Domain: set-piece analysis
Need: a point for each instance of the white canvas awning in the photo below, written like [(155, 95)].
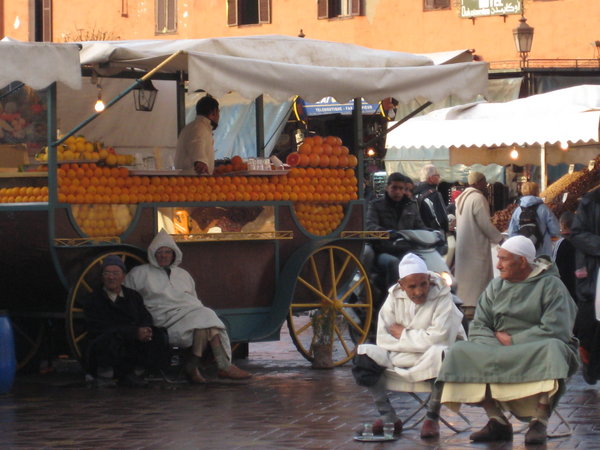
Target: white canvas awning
[(39, 64), (281, 66), (568, 115)]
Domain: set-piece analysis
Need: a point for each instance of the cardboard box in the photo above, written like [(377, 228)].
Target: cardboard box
[(12, 157)]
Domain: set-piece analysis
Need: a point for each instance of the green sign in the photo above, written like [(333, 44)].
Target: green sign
[(478, 8)]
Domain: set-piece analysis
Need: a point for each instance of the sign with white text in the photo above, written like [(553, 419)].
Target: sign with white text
[(479, 8)]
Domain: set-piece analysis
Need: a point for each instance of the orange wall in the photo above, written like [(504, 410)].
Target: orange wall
[(563, 28), (14, 9)]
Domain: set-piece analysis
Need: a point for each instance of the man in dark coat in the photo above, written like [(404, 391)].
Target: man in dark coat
[(121, 336), (585, 236), (392, 212), (430, 201)]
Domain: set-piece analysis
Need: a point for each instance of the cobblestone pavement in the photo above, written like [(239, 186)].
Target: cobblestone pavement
[(286, 405)]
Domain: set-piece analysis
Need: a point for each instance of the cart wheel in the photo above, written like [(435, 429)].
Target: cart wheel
[(28, 333), (333, 283), (86, 282)]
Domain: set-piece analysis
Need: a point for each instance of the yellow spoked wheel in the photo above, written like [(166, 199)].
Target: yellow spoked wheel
[(332, 303), (28, 334), (88, 280)]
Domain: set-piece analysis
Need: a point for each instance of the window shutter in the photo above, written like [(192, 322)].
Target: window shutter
[(232, 13), (171, 15), (356, 8), (47, 20), (322, 9), (264, 11), (161, 23)]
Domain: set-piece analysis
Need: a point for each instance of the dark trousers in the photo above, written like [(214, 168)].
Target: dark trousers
[(587, 330), (124, 355)]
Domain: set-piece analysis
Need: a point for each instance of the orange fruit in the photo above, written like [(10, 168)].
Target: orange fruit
[(305, 148), (318, 149), (344, 150), (324, 160), (314, 160), (343, 161), (293, 159), (352, 161)]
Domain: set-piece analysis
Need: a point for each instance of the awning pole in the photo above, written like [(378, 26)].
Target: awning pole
[(543, 179)]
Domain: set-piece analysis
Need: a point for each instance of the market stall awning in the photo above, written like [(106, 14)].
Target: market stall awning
[(39, 64), (568, 115), (281, 66)]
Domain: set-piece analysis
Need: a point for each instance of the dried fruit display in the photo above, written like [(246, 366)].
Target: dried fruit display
[(501, 218)]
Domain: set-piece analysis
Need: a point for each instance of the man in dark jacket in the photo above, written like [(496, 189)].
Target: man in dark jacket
[(392, 212), (430, 201), (121, 336), (585, 236)]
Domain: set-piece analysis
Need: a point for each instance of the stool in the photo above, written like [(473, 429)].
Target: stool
[(393, 382)]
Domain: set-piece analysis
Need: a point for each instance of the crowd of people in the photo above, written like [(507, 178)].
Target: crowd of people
[(529, 328)]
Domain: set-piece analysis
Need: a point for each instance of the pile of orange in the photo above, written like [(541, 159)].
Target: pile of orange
[(91, 184), (26, 194), (319, 219), (324, 152), (237, 164), (103, 220)]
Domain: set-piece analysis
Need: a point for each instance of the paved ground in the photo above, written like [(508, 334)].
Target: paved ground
[(287, 405)]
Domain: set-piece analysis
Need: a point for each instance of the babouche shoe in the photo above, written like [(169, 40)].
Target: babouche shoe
[(536, 434), (493, 431)]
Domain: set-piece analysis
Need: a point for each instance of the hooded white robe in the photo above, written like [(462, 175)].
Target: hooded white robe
[(172, 299)]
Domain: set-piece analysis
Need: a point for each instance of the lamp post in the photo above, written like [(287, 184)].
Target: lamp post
[(523, 35)]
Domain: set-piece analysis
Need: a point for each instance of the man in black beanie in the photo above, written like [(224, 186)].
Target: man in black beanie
[(122, 340)]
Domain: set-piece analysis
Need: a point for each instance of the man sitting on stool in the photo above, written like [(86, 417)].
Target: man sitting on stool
[(122, 338), (417, 322), (521, 347)]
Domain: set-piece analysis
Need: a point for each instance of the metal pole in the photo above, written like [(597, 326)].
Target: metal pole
[(543, 174), (180, 103), (358, 145), (260, 126)]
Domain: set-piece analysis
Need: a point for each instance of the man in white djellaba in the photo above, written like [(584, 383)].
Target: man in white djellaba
[(417, 323), (169, 293)]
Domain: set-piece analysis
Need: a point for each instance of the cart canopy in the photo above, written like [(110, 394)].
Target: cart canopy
[(39, 64), (281, 66), (569, 115)]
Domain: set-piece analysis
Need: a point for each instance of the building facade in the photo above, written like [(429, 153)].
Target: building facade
[(564, 29)]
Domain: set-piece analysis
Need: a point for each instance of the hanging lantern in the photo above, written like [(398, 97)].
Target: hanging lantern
[(144, 95)]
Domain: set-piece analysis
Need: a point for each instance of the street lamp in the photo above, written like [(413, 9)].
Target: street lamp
[(144, 95), (523, 35)]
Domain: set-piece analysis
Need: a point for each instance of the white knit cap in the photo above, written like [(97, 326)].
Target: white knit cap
[(410, 265), (474, 177), (520, 245)]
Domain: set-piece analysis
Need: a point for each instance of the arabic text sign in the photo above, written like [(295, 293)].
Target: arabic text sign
[(478, 8)]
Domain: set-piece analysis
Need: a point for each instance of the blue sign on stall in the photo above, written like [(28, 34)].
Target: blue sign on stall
[(328, 105)]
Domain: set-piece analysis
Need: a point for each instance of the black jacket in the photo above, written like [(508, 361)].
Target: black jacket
[(585, 236), (122, 317), (431, 206), (383, 214)]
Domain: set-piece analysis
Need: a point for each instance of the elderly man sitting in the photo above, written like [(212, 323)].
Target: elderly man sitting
[(121, 334), (521, 347), (169, 293), (417, 322)]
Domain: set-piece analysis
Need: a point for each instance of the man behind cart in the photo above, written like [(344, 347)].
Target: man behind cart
[(195, 145), (123, 342)]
